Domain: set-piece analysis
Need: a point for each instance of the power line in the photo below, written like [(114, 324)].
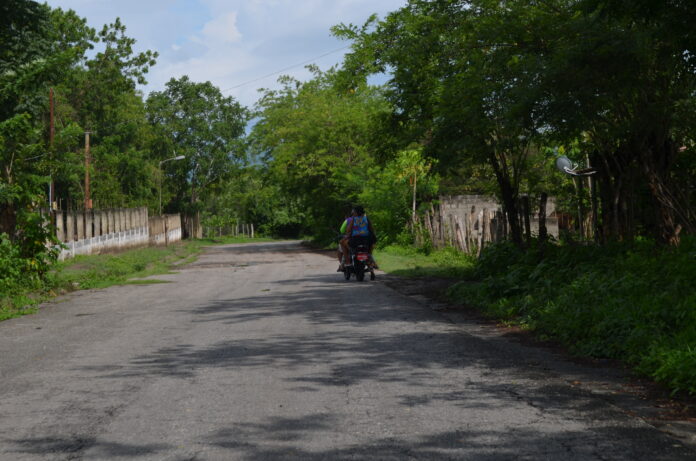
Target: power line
[(287, 68)]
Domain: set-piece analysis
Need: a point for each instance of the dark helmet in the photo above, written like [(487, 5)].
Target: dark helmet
[(359, 210)]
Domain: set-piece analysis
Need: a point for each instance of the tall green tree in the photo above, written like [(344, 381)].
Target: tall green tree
[(313, 135), (627, 71), (101, 96), (457, 81), (489, 81), (195, 120)]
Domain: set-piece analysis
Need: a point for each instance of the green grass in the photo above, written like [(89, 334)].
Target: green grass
[(411, 262), (101, 271)]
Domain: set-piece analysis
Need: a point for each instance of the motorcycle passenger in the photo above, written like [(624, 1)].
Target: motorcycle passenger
[(343, 243), (359, 230)]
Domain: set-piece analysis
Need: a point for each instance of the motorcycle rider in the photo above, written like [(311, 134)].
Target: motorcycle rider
[(360, 229)]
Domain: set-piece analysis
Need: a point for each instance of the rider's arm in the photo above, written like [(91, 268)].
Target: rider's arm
[(343, 226), (349, 228)]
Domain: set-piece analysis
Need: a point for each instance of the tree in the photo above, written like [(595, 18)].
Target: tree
[(635, 118), (466, 93), (312, 136), (412, 166), (480, 81), (197, 121), (390, 191)]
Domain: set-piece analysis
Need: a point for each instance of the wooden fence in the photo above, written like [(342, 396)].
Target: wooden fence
[(468, 234), (473, 223), (230, 230)]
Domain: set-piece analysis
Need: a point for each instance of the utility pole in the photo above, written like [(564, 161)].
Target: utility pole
[(88, 200), (51, 136), (178, 157)]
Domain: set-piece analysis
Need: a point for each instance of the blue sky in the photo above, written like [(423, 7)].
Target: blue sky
[(230, 42)]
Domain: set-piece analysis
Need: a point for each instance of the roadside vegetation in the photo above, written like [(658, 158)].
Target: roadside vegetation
[(633, 302), (409, 261)]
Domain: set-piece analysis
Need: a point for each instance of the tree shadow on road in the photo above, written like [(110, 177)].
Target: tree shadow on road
[(306, 439), (74, 446), (378, 337)]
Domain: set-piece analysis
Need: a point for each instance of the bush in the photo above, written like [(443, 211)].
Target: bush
[(12, 266), (633, 302), (25, 261)]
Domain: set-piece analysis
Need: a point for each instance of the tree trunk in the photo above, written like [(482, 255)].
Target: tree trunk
[(672, 217), (508, 195), (543, 233), (527, 225)]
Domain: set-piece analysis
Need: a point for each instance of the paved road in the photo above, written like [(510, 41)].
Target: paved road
[(263, 352)]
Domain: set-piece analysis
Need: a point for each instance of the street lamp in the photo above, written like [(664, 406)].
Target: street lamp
[(178, 157)]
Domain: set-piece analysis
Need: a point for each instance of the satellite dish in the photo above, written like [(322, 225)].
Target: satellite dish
[(564, 164)]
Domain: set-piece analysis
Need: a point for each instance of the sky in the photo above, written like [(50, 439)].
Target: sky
[(232, 42)]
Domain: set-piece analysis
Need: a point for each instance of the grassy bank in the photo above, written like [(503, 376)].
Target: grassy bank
[(635, 303), (100, 271), (411, 262)]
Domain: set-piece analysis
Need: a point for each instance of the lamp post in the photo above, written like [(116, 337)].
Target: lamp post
[(178, 157)]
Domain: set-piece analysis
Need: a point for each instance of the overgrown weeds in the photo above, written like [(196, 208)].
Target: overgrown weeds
[(634, 302)]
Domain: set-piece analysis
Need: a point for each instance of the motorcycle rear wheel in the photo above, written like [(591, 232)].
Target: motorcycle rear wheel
[(360, 273)]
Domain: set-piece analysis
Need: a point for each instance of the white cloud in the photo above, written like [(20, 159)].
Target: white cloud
[(232, 42), (223, 28)]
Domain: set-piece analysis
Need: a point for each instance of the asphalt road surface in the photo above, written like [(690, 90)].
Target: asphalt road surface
[(263, 351)]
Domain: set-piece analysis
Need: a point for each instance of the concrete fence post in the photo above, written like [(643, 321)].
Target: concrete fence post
[(88, 224), (80, 225), (96, 223), (60, 226), (105, 222), (69, 227)]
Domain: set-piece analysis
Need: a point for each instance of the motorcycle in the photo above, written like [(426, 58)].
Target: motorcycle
[(360, 260)]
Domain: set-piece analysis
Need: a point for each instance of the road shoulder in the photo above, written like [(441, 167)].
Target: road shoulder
[(608, 380)]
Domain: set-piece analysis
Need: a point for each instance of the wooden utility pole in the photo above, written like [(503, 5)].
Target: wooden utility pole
[(88, 200), (51, 136)]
